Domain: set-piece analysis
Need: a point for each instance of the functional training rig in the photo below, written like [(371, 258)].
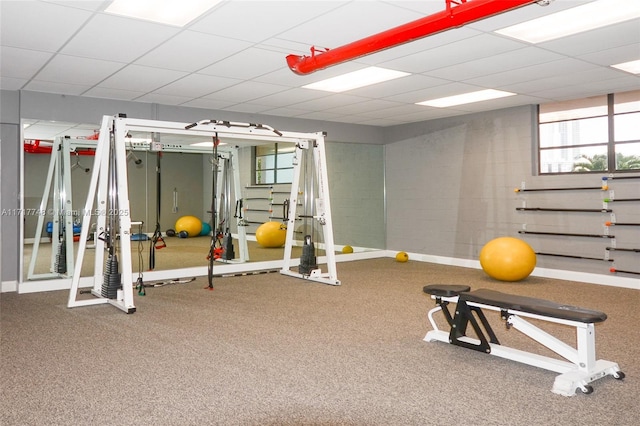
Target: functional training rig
[(581, 367)]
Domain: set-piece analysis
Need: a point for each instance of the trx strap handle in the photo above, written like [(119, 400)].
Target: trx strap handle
[(157, 242)]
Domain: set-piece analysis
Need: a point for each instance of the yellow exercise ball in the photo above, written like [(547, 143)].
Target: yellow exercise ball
[(190, 224), (507, 259), (402, 257), (271, 234), (347, 249)]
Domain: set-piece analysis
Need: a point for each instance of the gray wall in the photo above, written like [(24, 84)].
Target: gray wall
[(450, 190), (10, 184), (356, 185)]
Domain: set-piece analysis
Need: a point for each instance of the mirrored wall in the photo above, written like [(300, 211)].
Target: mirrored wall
[(168, 185)]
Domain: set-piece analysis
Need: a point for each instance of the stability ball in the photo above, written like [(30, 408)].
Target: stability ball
[(402, 257), (507, 259), (347, 249), (271, 234), (206, 229), (190, 224)]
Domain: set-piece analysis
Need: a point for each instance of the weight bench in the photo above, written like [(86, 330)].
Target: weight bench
[(580, 368)]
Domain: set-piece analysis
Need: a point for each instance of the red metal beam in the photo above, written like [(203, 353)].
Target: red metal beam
[(457, 14)]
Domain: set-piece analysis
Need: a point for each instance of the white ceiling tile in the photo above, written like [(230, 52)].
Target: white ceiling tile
[(158, 98), (21, 63), (8, 83), (531, 74), (247, 64), (366, 107), (524, 13), (351, 22), (248, 108), (197, 85), (259, 20), (55, 87), (516, 59), (316, 115), (75, 70), (92, 5), (105, 92), (380, 122), (328, 102), (37, 25), (481, 46), (397, 86), (118, 39), (191, 51), (596, 40), (290, 97), (420, 95), (560, 80), (140, 78), (615, 55), (207, 103), (246, 91)]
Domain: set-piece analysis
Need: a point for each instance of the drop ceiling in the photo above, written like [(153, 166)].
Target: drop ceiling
[(233, 58)]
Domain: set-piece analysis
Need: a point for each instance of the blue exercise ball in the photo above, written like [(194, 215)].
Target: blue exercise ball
[(206, 229)]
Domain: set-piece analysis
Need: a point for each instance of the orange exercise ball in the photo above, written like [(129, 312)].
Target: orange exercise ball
[(507, 259), (190, 224), (271, 234)]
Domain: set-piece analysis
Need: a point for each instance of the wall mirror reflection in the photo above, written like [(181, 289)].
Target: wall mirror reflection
[(170, 195)]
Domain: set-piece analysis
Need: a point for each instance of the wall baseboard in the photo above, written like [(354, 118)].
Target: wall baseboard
[(589, 278)]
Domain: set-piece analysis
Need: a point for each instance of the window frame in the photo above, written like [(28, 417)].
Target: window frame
[(610, 145), (254, 165)]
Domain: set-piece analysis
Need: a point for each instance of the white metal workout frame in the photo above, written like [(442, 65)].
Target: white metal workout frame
[(210, 128), (59, 174)]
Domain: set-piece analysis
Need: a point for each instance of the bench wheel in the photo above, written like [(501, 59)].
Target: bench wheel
[(587, 389), (619, 375)]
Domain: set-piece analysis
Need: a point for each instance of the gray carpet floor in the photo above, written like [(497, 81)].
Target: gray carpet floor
[(275, 350)]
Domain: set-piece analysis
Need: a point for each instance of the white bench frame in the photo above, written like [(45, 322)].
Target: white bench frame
[(581, 367)]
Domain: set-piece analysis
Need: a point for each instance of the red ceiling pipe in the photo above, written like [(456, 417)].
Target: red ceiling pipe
[(457, 14)]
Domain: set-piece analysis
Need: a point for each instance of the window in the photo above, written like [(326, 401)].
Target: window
[(273, 163), (600, 133)]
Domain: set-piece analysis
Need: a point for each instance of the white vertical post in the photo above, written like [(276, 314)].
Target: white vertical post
[(323, 205), (67, 209), (42, 213), (100, 162), (237, 190), (123, 215), (298, 161)]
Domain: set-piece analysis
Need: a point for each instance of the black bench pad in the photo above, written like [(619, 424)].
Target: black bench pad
[(445, 290), (533, 306)]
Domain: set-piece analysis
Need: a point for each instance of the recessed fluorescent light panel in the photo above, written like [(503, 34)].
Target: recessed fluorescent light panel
[(356, 79), (632, 66), (466, 98), (575, 20), (171, 12)]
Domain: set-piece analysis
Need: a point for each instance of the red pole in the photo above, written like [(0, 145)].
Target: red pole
[(454, 16)]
